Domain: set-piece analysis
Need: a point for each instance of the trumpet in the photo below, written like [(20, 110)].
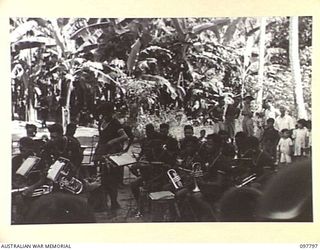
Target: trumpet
[(197, 172), (175, 178)]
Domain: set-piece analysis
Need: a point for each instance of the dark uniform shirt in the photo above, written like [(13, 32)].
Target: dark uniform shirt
[(66, 148), (189, 146), (107, 134)]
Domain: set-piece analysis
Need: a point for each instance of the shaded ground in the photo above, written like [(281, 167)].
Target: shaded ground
[(87, 137)]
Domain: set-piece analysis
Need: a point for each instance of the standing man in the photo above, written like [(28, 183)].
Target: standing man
[(284, 121), (247, 122), (270, 139), (269, 111), (111, 139), (232, 113)]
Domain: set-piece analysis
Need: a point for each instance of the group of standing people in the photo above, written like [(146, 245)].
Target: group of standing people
[(279, 134)]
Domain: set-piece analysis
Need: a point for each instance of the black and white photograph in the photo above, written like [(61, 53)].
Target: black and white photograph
[(153, 120)]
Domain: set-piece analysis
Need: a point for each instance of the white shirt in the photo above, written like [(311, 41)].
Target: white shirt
[(284, 145), (271, 113), (284, 122)]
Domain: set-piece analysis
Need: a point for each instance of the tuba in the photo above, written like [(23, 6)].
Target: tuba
[(175, 178), (196, 172), (60, 173)]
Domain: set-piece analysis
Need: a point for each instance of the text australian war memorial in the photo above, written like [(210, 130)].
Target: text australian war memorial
[(124, 120)]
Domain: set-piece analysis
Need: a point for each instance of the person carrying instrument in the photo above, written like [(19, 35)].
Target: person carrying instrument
[(111, 138)]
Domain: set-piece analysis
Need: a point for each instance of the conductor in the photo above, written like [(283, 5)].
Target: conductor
[(111, 138)]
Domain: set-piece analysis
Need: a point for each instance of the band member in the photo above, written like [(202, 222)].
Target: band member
[(26, 147), (189, 145), (70, 132), (146, 153), (31, 130), (111, 138), (170, 145), (58, 146), (62, 146), (260, 160), (217, 163)]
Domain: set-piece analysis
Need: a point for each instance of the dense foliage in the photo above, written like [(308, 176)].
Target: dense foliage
[(149, 66)]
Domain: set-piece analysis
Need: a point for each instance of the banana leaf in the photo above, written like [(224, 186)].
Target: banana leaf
[(180, 30), (92, 26), (21, 30), (210, 26), (228, 35), (26, 45), (162, 81), (133, 55)]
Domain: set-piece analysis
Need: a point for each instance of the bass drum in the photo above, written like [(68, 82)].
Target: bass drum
[(58, 208)]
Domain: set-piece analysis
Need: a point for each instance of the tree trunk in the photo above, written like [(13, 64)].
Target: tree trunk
[(66, 109), (295, 67), (261, 61)]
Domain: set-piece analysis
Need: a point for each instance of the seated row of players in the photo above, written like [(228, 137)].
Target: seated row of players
[(59, 145), (216, 153)]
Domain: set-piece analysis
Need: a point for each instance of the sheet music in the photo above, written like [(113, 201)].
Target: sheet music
[(123, 160), (27, 165), (54, 170)]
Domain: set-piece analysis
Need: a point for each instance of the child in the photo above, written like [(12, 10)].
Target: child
[(300, 135), (285, 147), (309, 144), (270, 139)]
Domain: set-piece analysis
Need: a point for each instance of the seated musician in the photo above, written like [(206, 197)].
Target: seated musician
[(27, 148), (260, 160), (216, 160), (170, 145), (151, 147), (57, 146), (240, 141), (189, 146), (188, 154)]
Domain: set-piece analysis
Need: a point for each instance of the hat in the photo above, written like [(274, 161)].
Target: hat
[(248, 97)]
